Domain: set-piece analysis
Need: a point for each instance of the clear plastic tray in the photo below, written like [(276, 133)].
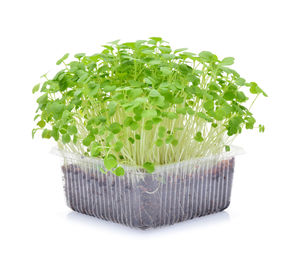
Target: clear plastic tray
[(173, 193)]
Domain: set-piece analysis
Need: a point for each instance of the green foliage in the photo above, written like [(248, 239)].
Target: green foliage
[(143, 103), (261, 128), (119, 171), (110, 162), (115, 128), (118, 146), (149, 167), (36, 88), (198, 137), (62, 59)]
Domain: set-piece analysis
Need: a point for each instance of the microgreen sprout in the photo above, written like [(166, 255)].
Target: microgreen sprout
[(142, 103)]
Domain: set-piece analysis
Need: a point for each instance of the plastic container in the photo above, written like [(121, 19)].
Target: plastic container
[(173, 193)]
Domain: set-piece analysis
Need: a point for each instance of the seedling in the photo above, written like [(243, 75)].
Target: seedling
[(144, 104)]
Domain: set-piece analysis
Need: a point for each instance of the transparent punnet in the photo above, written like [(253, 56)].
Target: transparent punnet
[(173, 193)]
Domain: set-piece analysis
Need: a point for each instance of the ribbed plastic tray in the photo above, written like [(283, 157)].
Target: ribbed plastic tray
[(173, 193)]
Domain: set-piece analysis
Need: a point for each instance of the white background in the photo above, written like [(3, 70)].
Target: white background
[(263, 36)]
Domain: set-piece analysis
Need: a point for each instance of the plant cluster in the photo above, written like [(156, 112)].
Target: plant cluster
[(142, 103)]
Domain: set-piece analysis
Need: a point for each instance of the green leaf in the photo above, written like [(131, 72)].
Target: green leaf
[(214, 86), (79, 55), (95, 149), (240, 81), (66, 138), (206, 56), (136, 92), (139, 101), (109, 138), (180, 50), (204, 116), (181, 111), (118, 146), (115, 42), (131, 140), (55, 133), (185, 69), (134, 83), (43, 99), (56, 109), (171, 115), (41, 123), (261, 128), (36, 117), (165, 49), (156, 120), (115, 128), (208, 105), (229, 95), (109, 88), (94, 89), (219, 114), (112, 106), (154, 93), (72, 130), (250, 121), (148, 125), (162, 131), (255, 89), (158, 101), (83, 77), (169, 139), (138, 110), (119, 171), (148, 80), (174, 142), (46, 134), (179, 85), (110, 162), (102, 130), (149, 167), (88, 140), (229, 71), (227, 148), (128, 121), (233, 126), (166, 71), (168, 56), (159, 142), (62, 130), (154, 62), (198, 137), (63, 58), (34, 132), (156, 39), (35, 88), (134, 126), (185, 55), (241, 97), (149, 113), (190, 111), (227, 61), (100, 120)]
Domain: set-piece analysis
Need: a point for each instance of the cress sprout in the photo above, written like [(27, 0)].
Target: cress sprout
[(143, 103)]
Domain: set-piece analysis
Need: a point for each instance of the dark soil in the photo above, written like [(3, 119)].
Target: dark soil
[(146, 200)]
